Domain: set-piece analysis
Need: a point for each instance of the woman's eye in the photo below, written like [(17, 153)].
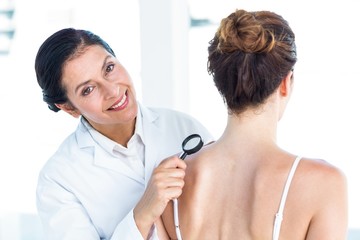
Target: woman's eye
[(87, 91), (109, 68)]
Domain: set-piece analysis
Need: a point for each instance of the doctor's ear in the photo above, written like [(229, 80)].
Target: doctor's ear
[(69, 108)]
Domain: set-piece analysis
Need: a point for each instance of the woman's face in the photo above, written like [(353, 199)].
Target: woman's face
[(99, 88)]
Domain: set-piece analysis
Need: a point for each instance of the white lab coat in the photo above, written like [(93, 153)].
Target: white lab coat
[(85, 193)]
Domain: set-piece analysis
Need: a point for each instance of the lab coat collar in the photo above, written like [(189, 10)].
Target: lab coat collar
[(102, 158)]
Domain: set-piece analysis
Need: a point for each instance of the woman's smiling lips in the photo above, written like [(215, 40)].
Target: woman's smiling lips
[(121, 104)]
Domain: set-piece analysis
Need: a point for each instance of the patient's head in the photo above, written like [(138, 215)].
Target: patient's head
[(249, 55)]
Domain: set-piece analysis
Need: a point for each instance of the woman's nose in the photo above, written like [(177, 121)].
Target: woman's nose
[(110, 89)]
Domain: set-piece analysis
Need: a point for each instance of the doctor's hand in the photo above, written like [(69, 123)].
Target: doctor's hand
[(165, 184)]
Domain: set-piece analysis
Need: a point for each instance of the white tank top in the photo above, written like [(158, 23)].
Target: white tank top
[(279, 214)]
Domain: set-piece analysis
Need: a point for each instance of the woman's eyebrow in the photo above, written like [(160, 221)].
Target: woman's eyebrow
[(80, 85), (102, 67), (105, 61)]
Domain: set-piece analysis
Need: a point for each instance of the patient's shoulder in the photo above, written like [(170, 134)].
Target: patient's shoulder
[(321, 169), (200, 160), (322, 179), (201, 166)]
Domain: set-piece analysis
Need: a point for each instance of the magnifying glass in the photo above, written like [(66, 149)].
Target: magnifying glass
[(190, 145)]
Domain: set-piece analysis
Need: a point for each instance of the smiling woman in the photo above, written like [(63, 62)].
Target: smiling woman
[(113, 152), (91, 79)]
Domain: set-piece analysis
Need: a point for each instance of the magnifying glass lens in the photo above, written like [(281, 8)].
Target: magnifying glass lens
[(192, 144)]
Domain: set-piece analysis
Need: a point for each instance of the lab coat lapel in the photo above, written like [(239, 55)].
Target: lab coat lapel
[(151, 133), (105, 160), (102, 158)]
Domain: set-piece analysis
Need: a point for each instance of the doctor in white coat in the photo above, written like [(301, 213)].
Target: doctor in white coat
[(108, 179)]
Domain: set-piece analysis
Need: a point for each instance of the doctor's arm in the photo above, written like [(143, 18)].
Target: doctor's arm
[(165, 184), (64, 217)]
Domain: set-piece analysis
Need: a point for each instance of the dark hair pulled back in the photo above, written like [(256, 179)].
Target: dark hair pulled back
[(249, 55)]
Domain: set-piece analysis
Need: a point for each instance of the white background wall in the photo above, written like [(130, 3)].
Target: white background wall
[(321, 120)]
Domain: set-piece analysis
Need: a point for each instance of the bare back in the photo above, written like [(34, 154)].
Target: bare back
[(238, 198)]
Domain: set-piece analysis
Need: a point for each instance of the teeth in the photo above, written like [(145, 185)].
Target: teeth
[(120, 103)]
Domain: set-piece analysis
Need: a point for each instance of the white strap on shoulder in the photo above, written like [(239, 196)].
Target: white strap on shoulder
[(279, 214)]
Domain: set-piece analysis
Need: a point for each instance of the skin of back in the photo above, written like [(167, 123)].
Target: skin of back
[(243, 200)]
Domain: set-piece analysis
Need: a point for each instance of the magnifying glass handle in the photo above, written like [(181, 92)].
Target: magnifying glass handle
[(175, 203), (176, 219), (183, 155)]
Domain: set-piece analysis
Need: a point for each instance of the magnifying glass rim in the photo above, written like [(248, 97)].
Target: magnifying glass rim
[(194, 149)]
